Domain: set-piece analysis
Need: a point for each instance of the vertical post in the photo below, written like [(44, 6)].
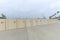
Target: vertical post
[(5, 24), (26, 28), (16, 23), (31, 22)]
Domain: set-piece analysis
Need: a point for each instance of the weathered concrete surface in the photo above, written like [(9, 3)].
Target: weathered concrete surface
[(8, 24), (18, 34), (43, 32)]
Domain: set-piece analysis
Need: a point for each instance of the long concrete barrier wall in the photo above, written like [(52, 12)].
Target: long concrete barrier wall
[(8, 24)]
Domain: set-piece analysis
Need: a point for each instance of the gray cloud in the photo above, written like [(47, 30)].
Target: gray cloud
[(28, 8)]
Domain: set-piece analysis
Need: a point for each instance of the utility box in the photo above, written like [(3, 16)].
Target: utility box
[(10, 24), (21, 23), (2, 24)]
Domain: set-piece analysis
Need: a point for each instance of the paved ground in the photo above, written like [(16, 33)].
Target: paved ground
[(18, 34), (43, 32)]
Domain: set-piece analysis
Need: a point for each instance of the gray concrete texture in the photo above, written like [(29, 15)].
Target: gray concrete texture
[(9, 24), (42, 32)]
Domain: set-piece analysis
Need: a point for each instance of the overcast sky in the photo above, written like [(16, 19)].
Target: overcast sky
[(29, 8)]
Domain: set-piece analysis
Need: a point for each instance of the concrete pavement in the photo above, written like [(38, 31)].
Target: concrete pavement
[(43, 32), (18, 34)]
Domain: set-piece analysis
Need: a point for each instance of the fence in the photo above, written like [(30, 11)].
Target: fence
[(8, 24)]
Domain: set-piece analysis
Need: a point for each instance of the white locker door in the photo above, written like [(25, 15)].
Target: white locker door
[(21, 23), (10, 24), (2, 24)]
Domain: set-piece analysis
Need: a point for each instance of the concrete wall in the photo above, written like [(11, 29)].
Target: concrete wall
[(7, 24), (20, 23), (10, 24), (2, 24), (28, 23)]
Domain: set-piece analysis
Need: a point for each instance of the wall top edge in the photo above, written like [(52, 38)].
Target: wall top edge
[(28, 19)]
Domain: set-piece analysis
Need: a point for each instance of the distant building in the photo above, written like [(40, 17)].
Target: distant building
[(57, 18), (1, 18), (54, 16)]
